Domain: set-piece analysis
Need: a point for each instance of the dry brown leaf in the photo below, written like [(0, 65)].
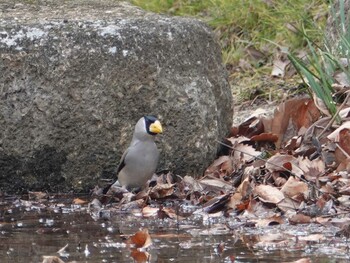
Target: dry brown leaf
[(299, 219), (255, 207), (192, 183), (217, 165), (322, 220), (344, 113), (264, 137), (291, 116), (244, 187), (269, 194), (321, 105), (344, 142), (242, 206), (277, 162), (334, 136), (251, 127), (293, 143), (312, 169), (78, 201), (140, 256), (215, 185), (344, 165), (141, 239), (288, 204), (234, 200), (170, 212), (161, 191), (305, 115), (161, 212), (148, 211), (245, 153), (294, 187)]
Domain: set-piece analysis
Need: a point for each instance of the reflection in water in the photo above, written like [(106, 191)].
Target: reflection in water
[(30, 230)]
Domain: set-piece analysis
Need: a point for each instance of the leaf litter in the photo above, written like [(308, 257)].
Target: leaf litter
[(288, 169)]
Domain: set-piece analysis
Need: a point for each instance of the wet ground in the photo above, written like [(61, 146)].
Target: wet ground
[(30, 230)]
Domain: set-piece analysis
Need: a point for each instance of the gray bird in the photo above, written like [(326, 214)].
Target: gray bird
[(140, 160)]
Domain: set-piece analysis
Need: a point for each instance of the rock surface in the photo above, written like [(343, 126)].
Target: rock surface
[(77, 75)]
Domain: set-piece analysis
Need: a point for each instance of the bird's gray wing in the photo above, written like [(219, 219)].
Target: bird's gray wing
[(120, 166), (122, 162)]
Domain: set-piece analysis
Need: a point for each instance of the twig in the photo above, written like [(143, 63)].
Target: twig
[(336, 214)]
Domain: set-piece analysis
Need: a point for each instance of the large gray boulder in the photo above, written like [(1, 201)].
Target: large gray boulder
[(76, 76)]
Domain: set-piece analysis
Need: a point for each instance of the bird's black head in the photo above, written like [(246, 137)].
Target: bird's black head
[(153, 125)]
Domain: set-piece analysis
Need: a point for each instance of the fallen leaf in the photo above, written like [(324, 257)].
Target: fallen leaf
[(170, 213), (344, 113), (192, 184), (234, 201), (334, 136), (250, 127), (140, 256), (312, 169), (78, 201), (264, 137), (344, 143), (291, 116), (141, 239), (161, 191), (269, 194), (245, 153), (288, 204), (215, 185), (244, 188), (148, 211), (277, 162), (294, 187), (321, 105), (221, 164), (299, 219)]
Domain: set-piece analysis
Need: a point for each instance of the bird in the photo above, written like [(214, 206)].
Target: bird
[(140, 160)]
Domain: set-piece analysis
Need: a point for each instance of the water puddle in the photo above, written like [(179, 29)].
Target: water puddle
[(56, 227)]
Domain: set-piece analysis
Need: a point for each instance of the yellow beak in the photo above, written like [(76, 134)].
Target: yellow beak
[(156, 127)]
